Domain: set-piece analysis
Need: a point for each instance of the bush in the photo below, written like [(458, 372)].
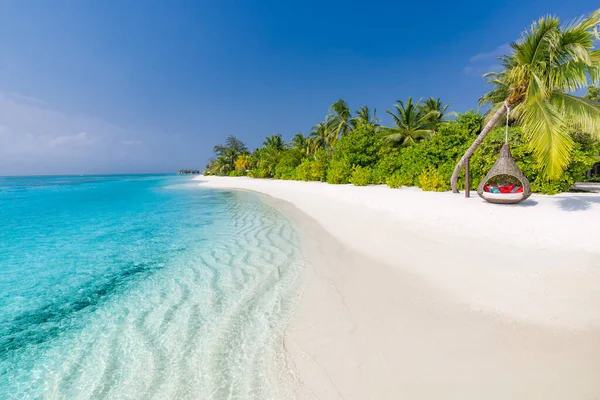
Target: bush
[(361, 176), (431, 180), (388, 164), (359, 147), (394, 181), (258, 173), (237, 173), (582, 159), (339, 172), (286, 167), (313, 168)]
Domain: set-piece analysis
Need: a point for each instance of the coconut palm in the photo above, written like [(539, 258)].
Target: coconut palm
[(548, 62), (228, 153), (339, 119), (299, 142), (411, 123), (320, 136), (274, 142), (364, 117), (439, 110)]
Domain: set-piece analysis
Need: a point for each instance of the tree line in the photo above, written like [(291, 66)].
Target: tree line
[(553, 133)]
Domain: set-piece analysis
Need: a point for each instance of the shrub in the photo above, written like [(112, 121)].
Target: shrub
[(258, 173), (237, 173), (388, 164), (361, 176), (394, 181), (242, 163), (313, 168), (431, 180), (359, 147), (582, 158), (286, 167), (339, 171)]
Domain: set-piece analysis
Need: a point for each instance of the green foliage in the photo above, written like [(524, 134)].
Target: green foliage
[(286, 167), (361, 176), (388, 163), (359, 147), (226, 154), (471, 122), (313, 168), (432, 180), (237, 172), (258, 173), (593, 94), (339, 171), (394, 181), (583, 156)]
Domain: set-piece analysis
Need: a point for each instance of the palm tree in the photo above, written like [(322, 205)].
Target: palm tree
[(320, 136), (364, 117), (549, 61), (228, 153), (299, 142), (275, 142), (339, 119), (440, 111), (411, 123)]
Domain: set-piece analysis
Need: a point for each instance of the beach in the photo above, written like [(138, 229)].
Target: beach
[(430, 295)]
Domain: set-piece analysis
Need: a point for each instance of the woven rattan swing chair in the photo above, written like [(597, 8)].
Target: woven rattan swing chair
[(504, 182)]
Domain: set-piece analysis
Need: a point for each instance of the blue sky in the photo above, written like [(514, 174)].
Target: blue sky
[(150, 86)]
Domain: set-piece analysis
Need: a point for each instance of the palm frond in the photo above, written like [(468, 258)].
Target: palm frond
[(546, 132), (583, 112)]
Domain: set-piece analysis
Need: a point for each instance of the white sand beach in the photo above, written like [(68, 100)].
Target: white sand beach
[(411, 294)]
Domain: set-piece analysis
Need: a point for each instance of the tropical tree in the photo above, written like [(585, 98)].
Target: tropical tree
[(364, 117), (228, 153), (411, 123), (242, 163), (593, 94), (299, 142), (320, 137), (339, 119), (548, 62), (274, 142), (439, 111)]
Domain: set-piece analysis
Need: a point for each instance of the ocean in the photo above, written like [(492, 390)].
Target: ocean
[(143, 286)]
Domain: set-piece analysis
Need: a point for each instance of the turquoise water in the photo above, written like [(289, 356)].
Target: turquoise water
[(142, 287)]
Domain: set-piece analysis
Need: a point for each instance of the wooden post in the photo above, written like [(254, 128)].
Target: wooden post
[(467, 179)]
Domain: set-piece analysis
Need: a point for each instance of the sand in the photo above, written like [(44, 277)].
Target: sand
[(418, 295)]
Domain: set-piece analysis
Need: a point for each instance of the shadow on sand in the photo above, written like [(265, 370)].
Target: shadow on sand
[(577, 203)]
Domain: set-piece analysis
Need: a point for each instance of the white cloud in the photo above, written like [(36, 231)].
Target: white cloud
[(79, 139), (38, 139), (494, 54), (484, 62)]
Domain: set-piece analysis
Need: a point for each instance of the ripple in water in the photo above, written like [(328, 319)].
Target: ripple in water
[(137, 288)]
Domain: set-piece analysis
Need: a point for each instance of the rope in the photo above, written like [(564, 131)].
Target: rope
[(506, 134)]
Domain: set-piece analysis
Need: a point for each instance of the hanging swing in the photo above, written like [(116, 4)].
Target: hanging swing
[(504, 183)]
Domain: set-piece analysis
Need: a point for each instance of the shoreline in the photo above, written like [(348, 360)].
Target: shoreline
[(415, 322)]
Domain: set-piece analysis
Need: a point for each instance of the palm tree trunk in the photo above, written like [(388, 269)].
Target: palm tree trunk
[(486, 129)]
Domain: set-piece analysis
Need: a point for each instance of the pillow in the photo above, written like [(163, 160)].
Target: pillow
[(518, 189), (504, 189), (486, 189), (494, 189)]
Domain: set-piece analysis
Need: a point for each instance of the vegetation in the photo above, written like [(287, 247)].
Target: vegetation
[(548, 62), (553, 134)]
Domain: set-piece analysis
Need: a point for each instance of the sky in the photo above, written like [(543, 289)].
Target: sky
[(144, 86)]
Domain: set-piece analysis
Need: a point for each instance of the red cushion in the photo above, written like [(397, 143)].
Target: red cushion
[(505, 189), (486, 189), (519, 190)]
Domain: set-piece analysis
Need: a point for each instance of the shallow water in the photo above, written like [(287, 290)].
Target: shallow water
[(143, 287)]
